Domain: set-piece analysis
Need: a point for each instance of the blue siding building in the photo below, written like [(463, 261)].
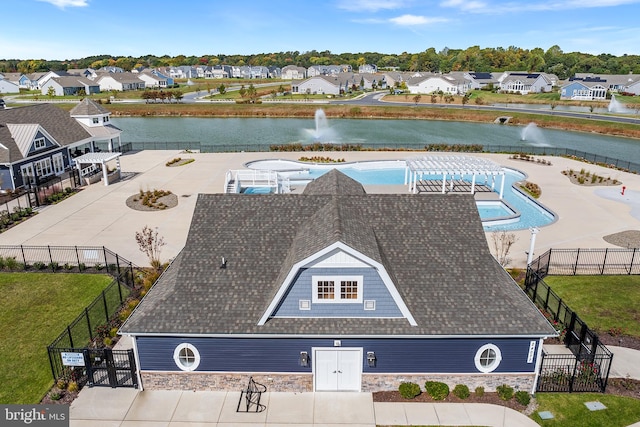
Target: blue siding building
[(336, 290)]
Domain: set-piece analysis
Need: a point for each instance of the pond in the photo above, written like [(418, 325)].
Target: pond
[(217, 134)]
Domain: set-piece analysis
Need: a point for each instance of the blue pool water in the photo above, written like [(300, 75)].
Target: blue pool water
[(532, 213)]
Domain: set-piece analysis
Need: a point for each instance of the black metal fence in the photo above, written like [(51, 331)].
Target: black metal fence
[(565, 372), (569, 262), (70, 259), (533, 150), (587, 369)]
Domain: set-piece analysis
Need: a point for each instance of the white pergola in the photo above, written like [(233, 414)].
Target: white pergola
[(452, 166), (99, 159)]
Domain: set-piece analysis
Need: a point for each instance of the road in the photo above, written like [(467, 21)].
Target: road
[(375, 98)]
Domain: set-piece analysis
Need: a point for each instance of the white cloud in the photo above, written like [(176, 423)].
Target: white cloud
[(371, 5), (66, 3), (414, 20), (477, 6), (467, 6)]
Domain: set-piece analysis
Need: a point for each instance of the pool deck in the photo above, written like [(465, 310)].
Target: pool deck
[(98, 215)]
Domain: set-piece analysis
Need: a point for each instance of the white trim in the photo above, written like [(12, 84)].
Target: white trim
[(494, 364), (393, 291), (136, 357), (270, 336), (538, 364), (178, 362)]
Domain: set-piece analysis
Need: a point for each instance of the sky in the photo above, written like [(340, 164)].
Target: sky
[(73, 29)]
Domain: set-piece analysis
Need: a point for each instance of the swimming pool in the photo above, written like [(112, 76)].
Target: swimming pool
[(520, 212)]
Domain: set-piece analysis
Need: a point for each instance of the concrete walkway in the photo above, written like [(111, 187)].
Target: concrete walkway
[(99, 407)]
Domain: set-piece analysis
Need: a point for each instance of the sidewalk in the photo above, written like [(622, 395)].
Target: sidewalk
[(126, 407)]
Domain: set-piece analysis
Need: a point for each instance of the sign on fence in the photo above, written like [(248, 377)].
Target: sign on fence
[(72, 359)]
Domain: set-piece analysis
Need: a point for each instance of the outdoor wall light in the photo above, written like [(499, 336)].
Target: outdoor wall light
[(371, 359), (304, 358)]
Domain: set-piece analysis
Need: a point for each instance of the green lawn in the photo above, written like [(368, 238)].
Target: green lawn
[(34, 309), (569, 410), (606, 303)]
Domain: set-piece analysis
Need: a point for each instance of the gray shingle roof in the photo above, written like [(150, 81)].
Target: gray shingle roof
[(57, 122), (433, 247), (88, 107)]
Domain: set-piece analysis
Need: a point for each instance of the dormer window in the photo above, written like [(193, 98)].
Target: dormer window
[(39, 143), (96, 120), (105, 119), (337, 289)]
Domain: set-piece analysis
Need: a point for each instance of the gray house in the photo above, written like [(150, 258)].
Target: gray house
[(335, 290), (40, 141)]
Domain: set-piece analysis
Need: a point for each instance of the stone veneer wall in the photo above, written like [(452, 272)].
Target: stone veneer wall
[(373, 382), (209, 381)]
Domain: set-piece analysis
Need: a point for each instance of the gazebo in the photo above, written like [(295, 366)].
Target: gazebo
[(101, 159), (450, 167)]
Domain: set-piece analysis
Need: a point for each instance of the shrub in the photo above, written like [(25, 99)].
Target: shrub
[(54, 395), (107, 341), (38, 265), (54, 266), (479, 391), (523, 398), (113, 332), (505, 392), (73, 387), (61, 384), (409, 390), (437, 390), (82, 266), (461, 391)]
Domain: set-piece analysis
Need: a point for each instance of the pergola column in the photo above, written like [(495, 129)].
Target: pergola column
[(502, 187), (473, 183), (444, 182)]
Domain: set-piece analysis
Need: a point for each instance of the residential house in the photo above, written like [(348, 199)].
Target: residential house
[(13, 78), (335, 289), (7, 86), (111, 69), (293, 72), (587, 89), (120, 82), (478, 80), (614, 83), (633, 88), (88, 73), (368, 69), (327, 85), (275, 72), (40, 141), (70, 85), (524, 83), (436, 83), (155, 79), (327, 70)]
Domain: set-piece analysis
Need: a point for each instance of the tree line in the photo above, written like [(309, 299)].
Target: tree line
[(553, 61)]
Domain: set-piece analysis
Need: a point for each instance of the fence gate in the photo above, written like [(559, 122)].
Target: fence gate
[(110, 368), (567, 373)]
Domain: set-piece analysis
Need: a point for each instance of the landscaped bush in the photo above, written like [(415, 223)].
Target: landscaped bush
[(409, 390), (437, 390), (461, 391), (505, 392), (479, 391), (523, 398)]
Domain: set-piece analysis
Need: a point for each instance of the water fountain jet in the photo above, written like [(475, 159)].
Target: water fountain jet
[(532, 134)]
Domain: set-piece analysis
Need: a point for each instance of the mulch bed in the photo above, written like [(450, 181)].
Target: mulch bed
[(135, 202), (624, 239), (491, 398)]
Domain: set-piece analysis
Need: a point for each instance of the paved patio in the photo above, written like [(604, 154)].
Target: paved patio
[(98, 215)]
